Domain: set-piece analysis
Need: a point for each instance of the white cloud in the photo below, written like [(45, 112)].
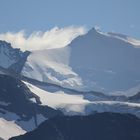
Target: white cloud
[(54, 38), (97, 27)]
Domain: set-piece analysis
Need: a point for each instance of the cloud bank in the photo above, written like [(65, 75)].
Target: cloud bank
[(54, 38)]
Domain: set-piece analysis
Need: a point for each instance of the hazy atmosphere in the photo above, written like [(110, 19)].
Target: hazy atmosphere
[(70, 70)]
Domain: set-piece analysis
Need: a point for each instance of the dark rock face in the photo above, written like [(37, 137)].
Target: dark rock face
[(12, 58), (17, 67), (15, 97), (101, 126), (135, 98)]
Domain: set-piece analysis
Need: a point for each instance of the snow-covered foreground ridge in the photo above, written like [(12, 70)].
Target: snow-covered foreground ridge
[(18, 112), (96, 61), (9, 129), (72, 103)]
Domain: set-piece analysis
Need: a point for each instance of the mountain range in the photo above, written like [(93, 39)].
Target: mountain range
[(96, 72)]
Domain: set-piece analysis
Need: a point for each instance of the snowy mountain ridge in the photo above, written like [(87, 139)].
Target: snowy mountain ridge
[(95, 61), (18, 111), (96, 72)]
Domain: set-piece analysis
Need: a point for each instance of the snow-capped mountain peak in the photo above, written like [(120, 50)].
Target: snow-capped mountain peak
[(95, 61)]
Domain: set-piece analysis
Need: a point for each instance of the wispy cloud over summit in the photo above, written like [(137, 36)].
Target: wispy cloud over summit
[(54, 38)]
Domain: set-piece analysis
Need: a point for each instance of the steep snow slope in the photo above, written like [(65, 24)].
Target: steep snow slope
[(96, 61), (59, 99), (20, 108), (111, 63), (9, 129), (126, 38), (52, 66), (72, 104)]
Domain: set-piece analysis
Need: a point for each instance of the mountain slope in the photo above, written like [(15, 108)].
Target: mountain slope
[(20, 109), (108, 126), (11, 58), (66, 79), (51, 66), (72, 102), (95, 61), (105, 62), (9, 129)]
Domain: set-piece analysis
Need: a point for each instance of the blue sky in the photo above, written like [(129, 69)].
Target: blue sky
[(32, 15)]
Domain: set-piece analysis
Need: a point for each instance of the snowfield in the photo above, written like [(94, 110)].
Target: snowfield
[(56, 99), (11, 126), (9, 129), (76, 104)]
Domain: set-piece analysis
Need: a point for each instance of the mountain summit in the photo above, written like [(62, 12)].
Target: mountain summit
[(96, 61)]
